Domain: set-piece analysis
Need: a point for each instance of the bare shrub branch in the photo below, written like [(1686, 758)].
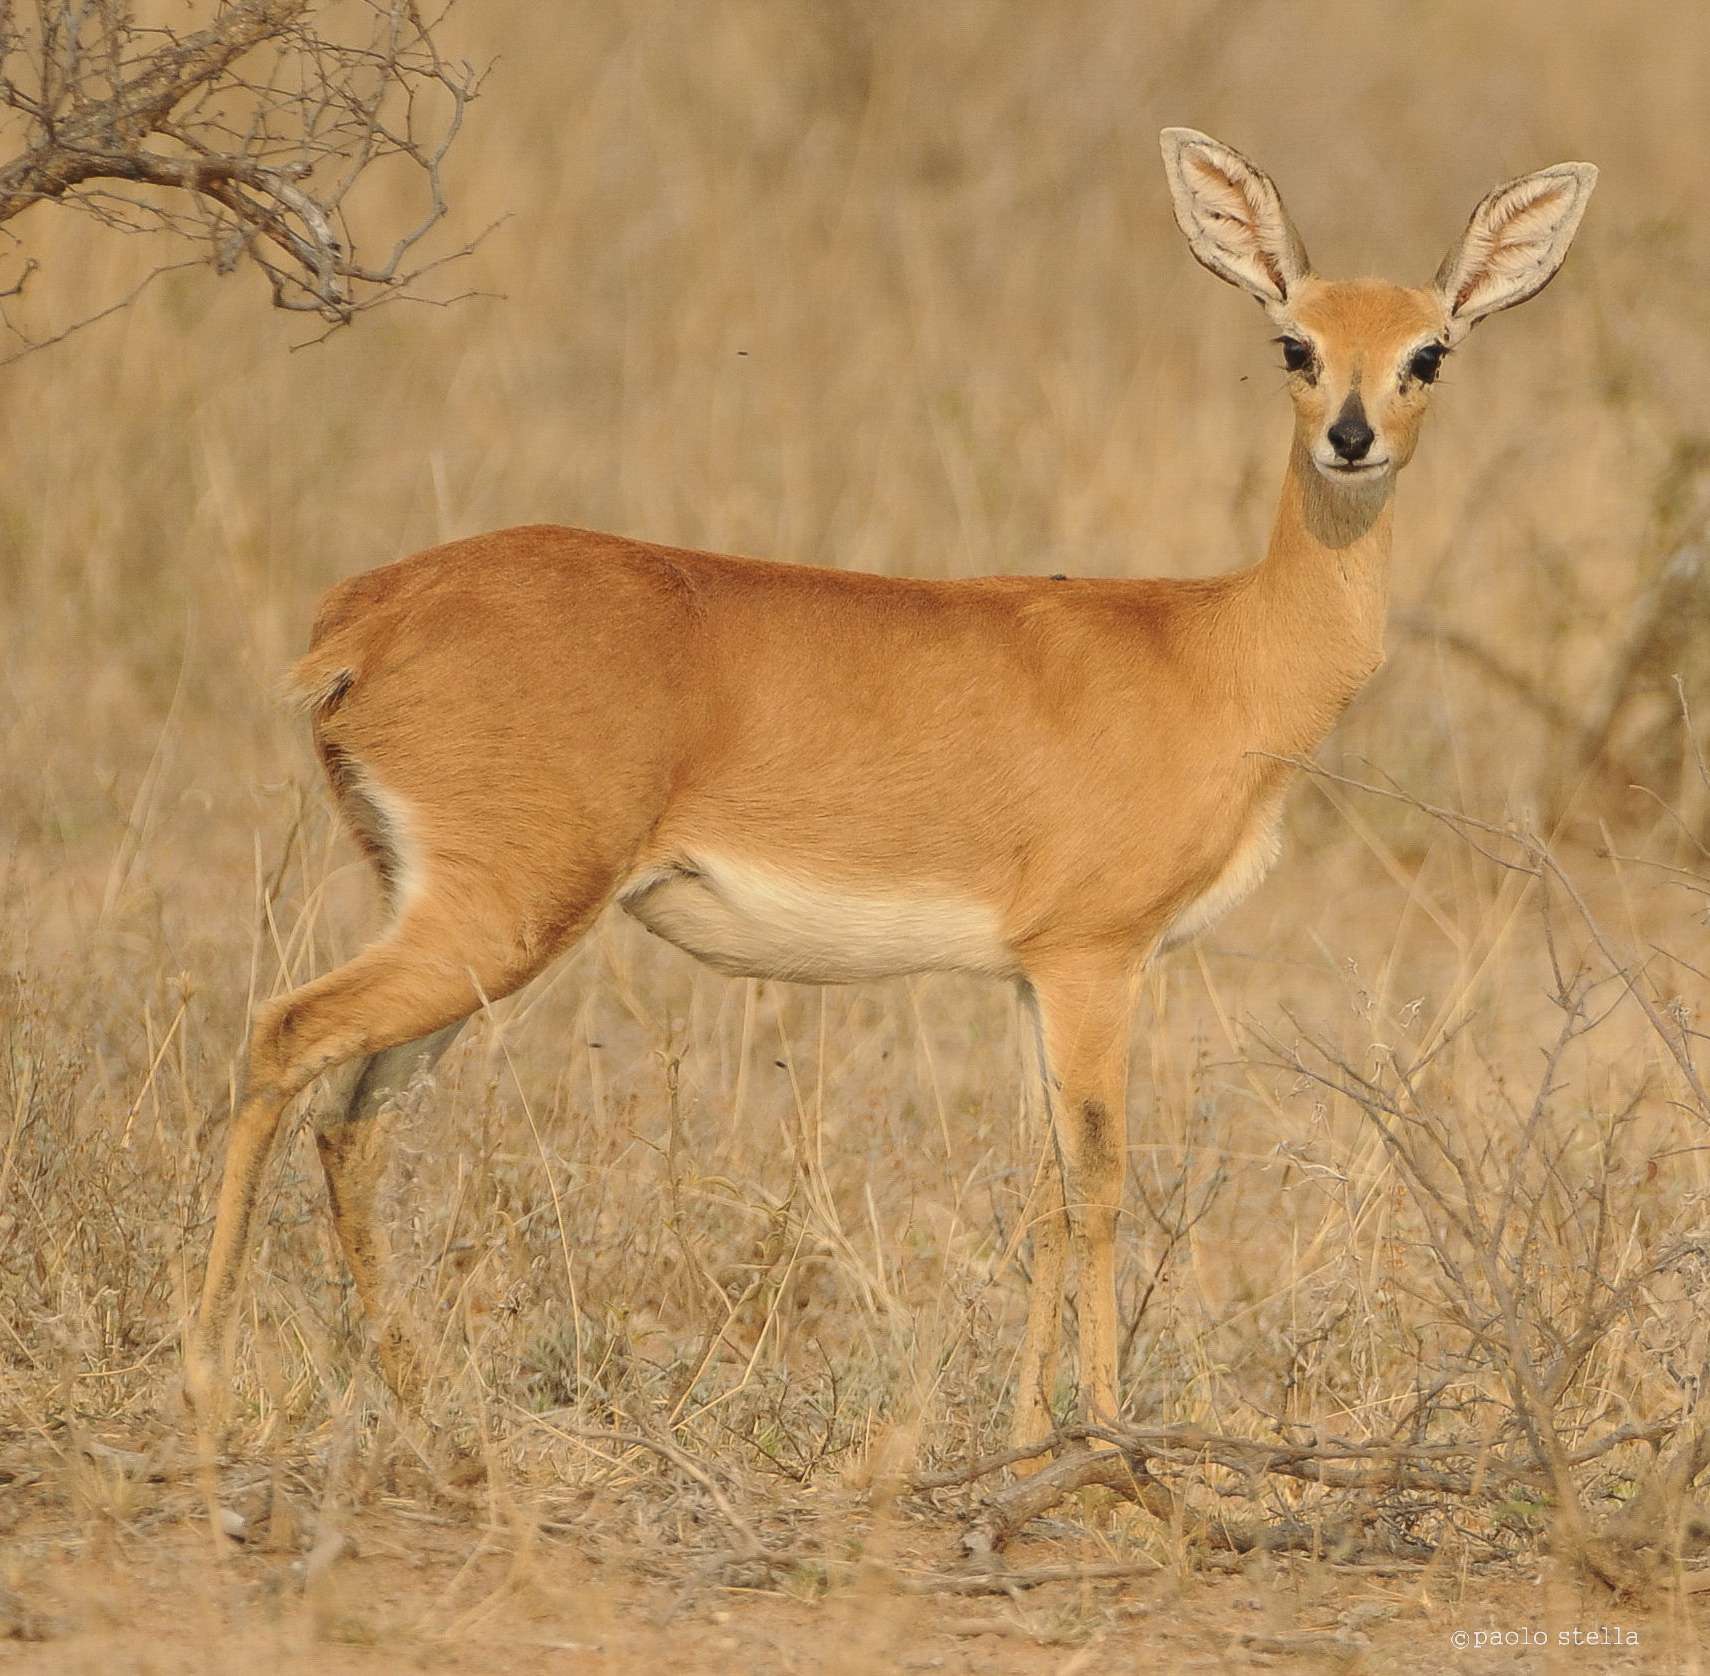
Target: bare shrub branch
[(263, 137), (1526, 1250)]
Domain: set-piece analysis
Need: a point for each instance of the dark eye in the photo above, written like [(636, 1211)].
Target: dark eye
[(1296, 355), (1427, 363)]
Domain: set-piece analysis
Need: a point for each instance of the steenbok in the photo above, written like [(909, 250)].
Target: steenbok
[(814, 775)]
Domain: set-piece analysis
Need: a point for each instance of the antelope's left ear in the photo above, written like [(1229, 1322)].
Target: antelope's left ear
[(1513, 245)]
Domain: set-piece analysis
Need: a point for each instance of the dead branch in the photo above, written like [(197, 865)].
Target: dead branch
[(1127, 1467), (1482, 1234), (1033, 1577), (1389, 1466), (246, 137), (1528, 853), (1160, 1468), (921, 1483), (1008, 1509)]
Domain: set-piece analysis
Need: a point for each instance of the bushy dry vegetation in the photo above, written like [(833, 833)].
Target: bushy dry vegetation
[(1417, 1135)]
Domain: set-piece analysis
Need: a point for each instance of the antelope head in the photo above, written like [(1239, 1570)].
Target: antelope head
[(1362, 354)]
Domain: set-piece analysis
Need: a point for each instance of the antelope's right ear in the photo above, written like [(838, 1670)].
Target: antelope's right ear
[(1233, 217), (1514, 244)]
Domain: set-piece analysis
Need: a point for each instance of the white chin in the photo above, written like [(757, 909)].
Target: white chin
[(1367, 471)]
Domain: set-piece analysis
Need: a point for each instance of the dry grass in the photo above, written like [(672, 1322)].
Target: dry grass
[(895, 289)]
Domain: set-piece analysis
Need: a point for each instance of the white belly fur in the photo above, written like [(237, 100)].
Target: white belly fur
[(752, 922), (1254, 857)]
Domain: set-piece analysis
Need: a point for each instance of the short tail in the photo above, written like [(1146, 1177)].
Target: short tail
[(317, 683)]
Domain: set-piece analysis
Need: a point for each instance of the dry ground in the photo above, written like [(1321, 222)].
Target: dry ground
[(894, 288), (469, 1591)]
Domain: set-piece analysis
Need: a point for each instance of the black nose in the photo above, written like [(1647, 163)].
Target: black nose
[(1351, 436)]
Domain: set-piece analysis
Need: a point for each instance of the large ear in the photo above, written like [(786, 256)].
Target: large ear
[(1514, 243), (1233, 216)]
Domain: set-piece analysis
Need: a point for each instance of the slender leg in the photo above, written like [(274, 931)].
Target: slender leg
[(1042, 1343), (353, 1131), (1047, 1225), (428, 975), (1086, 1007), (247, 1149)]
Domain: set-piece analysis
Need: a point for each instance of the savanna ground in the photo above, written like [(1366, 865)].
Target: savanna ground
[(1417, 1134)]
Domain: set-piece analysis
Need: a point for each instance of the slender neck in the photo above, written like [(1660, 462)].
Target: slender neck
[(1312, 614)]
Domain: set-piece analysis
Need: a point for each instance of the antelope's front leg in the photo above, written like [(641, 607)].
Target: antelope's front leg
[(1086, 1007)]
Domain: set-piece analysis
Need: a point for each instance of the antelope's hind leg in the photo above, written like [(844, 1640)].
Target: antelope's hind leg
[(354, 1122), (403, 993)]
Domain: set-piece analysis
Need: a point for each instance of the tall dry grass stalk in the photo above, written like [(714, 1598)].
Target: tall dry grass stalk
[(894, 288)]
